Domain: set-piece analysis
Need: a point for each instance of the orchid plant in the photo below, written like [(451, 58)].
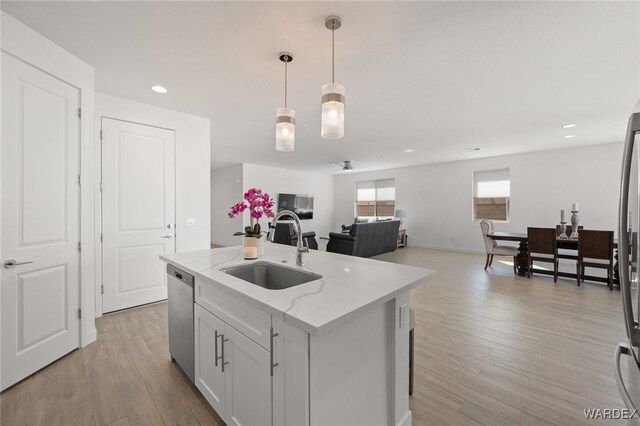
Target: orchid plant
[(259, 205)]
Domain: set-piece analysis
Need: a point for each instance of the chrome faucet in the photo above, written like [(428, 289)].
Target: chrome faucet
[(301, 248)]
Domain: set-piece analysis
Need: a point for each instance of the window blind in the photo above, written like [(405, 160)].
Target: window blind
[(491, 184), (385, 190), (366, 191)]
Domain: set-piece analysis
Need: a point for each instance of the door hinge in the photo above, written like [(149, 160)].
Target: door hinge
[(101, 288), (80, 180), (101, 238), (79, 246), (79, 313), (79, 112), (101, 186), (100, 135)]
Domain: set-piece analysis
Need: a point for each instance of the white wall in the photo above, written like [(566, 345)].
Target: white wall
[(275, 180), (438, 197), (193, 147), (29, 46), (226, 190)]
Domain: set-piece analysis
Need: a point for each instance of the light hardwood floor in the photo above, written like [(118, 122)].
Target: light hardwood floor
[(491, 349)]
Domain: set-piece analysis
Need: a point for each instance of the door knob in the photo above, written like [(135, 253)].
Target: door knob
[(169, 236), (8, 264)]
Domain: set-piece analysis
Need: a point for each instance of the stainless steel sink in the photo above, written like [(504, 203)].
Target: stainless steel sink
[(271, 276)]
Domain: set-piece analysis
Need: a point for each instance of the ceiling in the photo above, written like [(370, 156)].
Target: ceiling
[(440, 78)]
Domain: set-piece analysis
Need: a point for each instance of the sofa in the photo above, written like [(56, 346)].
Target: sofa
[(366, 239), (285, 233), (364, 219)]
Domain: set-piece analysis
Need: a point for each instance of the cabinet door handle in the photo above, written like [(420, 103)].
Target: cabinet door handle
[(216, 347), (222, 339), (271, 363)]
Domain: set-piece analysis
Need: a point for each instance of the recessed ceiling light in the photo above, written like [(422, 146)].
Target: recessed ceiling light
[(159, 89), (409, 150), (570, 136), (568, 126)]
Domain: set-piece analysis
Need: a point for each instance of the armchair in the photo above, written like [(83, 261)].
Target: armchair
[(285, 233)]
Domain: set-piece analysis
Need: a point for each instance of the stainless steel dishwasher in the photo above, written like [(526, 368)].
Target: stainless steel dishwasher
[(181, 338)]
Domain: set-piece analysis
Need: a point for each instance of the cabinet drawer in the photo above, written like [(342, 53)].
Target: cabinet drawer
[(250, 320)]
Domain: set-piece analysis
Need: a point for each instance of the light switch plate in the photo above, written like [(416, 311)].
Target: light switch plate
[(403, 315), (190, 221)]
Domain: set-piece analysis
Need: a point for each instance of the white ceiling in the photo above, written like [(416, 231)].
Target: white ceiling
[(436, 77)]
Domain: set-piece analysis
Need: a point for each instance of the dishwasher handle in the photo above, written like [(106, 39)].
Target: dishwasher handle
[(180, 275)]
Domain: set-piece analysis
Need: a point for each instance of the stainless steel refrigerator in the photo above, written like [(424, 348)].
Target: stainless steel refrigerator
[(628, 227)]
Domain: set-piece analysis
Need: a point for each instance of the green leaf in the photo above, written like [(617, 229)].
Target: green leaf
[(256, 229), (248, 229), (237, 234)]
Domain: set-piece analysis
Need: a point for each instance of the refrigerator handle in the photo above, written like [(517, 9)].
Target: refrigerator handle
[(623, 233), (622, 348)]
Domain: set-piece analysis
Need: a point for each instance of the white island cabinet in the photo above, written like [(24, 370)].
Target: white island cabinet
[(333, 351), (236, 381)]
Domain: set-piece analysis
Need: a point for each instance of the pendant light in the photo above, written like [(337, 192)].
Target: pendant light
[(332, 93), (285, 117)]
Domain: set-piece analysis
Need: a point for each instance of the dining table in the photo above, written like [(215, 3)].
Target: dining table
[(563, 243)]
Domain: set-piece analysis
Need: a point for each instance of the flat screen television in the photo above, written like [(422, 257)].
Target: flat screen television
[(302, 205)]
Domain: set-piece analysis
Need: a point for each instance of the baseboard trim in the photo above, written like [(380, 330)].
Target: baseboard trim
[(406, 419)]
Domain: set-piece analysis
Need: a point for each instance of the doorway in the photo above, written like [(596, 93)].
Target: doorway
[(137, 211)]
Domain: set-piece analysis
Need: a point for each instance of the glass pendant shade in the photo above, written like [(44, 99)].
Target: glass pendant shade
[(285, 129), (332, 111)]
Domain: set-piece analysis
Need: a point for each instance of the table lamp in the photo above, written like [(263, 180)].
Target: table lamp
[(401, 214)]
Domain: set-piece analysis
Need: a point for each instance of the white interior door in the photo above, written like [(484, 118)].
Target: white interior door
[(138, 212), (40, 219)]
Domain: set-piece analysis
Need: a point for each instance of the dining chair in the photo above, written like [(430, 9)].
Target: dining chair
[(542, 248), (492, 248), (597, 248)]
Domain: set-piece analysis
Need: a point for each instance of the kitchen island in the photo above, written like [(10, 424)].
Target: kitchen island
[(331, 351)]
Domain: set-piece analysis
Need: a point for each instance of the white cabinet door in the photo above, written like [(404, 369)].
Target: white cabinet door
[(138, 212), (248, 381), (40, 219), (291, 375), (209, 376)]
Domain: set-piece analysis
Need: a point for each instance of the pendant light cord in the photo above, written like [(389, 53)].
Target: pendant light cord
[(285, 82), (333, 54)]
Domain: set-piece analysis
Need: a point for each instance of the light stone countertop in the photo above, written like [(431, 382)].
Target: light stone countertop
[(349, 285)]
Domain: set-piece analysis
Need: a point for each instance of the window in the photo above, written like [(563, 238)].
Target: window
[(491, 192), (376, 198)]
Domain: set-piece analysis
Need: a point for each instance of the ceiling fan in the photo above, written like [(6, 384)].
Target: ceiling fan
[(345, 166)]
